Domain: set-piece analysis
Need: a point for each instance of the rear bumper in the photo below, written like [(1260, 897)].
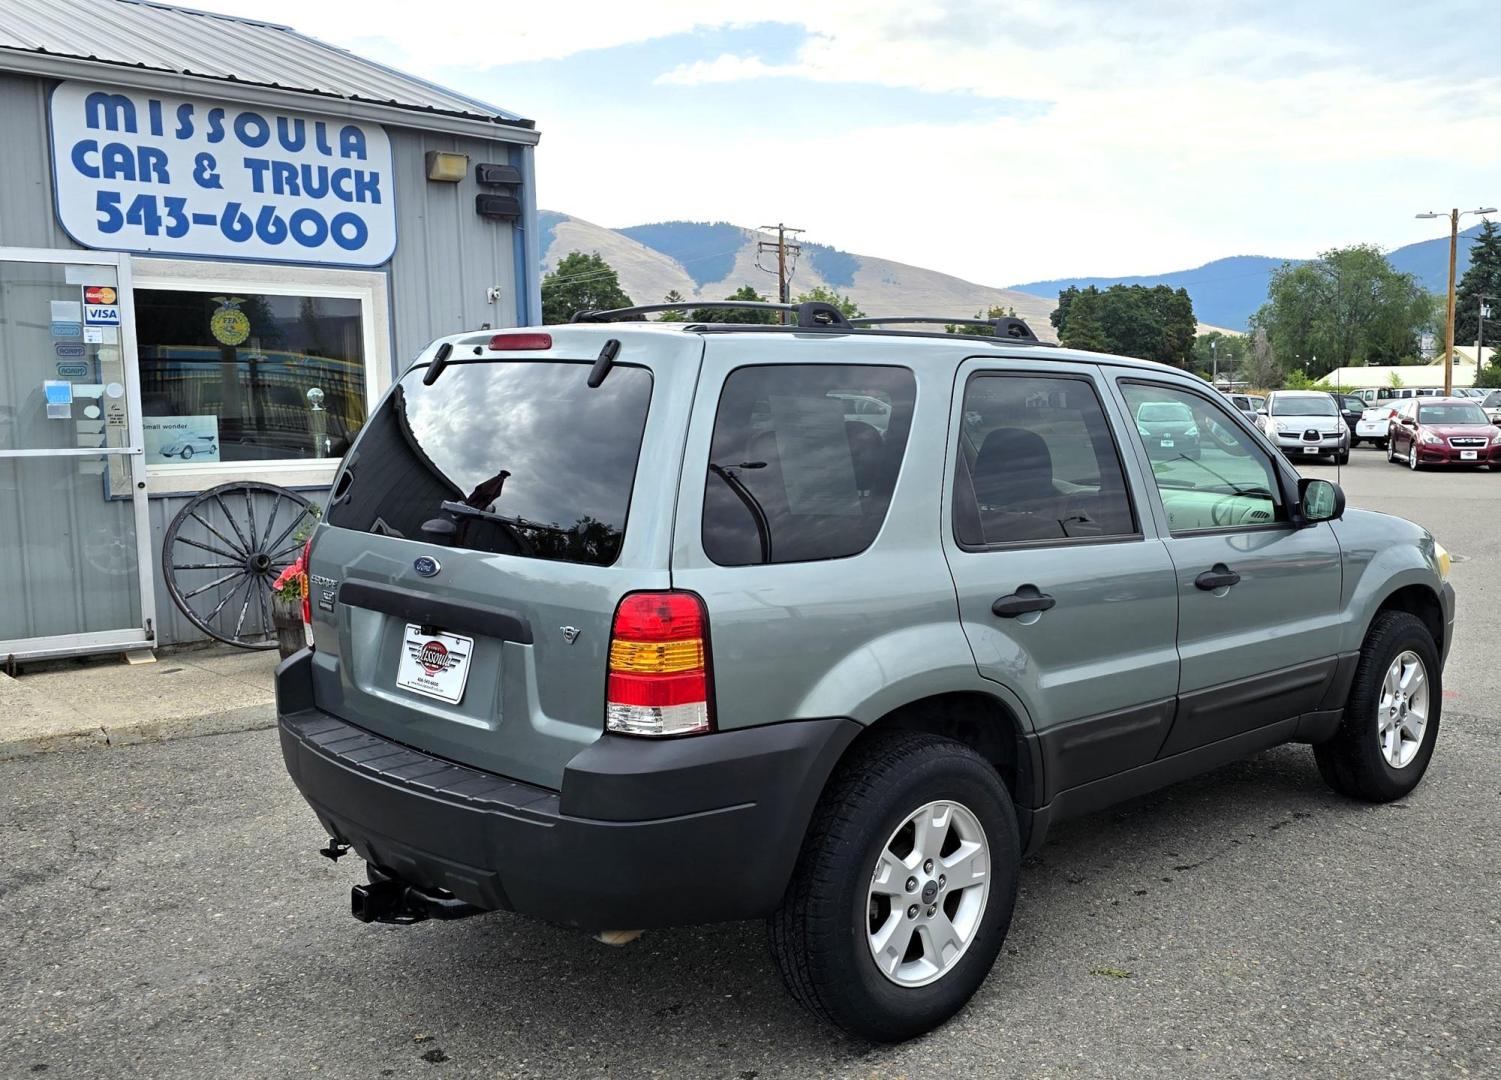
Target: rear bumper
[(1372, 429), (644, 833)]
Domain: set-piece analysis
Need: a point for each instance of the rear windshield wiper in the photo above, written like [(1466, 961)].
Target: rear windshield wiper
[(753, 504), (508, 526)]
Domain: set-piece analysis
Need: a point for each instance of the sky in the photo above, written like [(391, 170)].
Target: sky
[(1003, 142)]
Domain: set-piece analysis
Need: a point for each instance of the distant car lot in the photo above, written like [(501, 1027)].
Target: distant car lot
[(163, 918)]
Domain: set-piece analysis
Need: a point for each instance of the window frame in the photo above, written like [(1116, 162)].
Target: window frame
[(724, 383), (1284, 501), (367, 287), (1089, 381)]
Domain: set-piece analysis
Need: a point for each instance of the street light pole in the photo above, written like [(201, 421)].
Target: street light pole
[(1454, 216), (1482, 315)]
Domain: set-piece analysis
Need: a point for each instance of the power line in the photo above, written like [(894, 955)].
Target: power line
[(783, 250)]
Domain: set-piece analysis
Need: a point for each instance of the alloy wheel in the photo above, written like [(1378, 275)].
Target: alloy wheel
[(927, 894), (1402, 710)]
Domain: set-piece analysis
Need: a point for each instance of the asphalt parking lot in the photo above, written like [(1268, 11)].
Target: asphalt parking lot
[(163, 913)]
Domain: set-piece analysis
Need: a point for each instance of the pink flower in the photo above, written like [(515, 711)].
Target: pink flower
[(290, 575)]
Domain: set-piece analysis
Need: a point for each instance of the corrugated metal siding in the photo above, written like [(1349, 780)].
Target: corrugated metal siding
[(218, 47), (27, 218), (446, 254)]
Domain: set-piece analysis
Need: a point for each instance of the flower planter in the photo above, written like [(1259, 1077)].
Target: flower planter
[(291, 634)]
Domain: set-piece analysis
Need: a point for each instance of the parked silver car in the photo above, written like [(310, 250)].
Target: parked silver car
[(1306, 424)]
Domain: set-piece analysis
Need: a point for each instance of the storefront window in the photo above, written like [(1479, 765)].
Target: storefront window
[(239, 376)]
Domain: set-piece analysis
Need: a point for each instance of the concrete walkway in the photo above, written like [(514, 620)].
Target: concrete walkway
[(101, 701)]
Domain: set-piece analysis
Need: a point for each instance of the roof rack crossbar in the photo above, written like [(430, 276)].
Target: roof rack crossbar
[(1006, 326), (810, 314)]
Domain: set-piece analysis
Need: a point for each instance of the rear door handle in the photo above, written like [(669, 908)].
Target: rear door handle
[(1027, 598), (1221, 577)]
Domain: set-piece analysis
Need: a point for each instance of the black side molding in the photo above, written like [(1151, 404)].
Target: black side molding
[(427, 610)]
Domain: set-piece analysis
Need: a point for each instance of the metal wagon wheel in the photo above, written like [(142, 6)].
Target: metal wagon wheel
[(219, 558)]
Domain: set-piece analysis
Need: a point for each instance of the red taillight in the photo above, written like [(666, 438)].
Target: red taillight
[(1391, 414), (307, 591), (659, 666), (507, 342)]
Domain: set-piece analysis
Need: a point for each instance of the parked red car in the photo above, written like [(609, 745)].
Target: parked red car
[(1443, 431)]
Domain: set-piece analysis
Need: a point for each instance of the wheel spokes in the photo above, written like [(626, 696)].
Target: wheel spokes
[(248, 548)]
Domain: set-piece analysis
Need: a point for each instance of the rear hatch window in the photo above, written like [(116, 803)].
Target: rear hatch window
[(515, 457)]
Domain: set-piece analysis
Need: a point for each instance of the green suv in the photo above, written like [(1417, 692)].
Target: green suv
[(625, 625)]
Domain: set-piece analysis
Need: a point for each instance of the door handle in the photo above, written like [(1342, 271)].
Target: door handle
[(1027, 598), (1221, 577)]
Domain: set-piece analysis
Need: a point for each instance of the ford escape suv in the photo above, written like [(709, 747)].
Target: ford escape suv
[(626, 625)]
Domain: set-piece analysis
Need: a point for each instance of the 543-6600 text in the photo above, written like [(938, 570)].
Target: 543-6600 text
[(168, 215)]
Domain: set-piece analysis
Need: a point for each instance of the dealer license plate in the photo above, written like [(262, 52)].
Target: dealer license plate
[(434, 665), (1310, 449), (1468, 455)]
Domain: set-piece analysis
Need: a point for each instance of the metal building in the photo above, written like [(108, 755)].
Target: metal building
[(219, 241)]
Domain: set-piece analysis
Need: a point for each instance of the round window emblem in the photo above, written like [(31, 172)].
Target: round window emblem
[(426, 565), (433, 658)]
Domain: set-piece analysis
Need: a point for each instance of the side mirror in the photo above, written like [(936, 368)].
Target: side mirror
[(1408, 421), (1322, 500), (1262, 412)]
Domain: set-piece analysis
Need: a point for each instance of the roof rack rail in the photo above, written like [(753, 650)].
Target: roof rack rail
[(1006, 326), (814, 314)]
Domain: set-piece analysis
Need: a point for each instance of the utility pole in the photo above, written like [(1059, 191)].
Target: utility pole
[(784, 250), (1453, 216)]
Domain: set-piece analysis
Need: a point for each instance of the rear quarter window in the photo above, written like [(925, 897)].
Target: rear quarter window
[(507, 456), (803, 461)]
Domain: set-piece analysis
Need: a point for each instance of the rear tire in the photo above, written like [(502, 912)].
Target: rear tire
[(1342, 459), (1358, 760), (826, 934)]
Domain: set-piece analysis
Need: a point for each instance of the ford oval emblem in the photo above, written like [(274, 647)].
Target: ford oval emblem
[(426, 565)]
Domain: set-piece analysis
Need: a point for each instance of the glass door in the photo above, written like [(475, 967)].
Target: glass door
[(73, 522)]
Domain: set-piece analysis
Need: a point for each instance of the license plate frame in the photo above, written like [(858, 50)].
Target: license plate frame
[(434, 664), (1469, 455), (1310, 449)]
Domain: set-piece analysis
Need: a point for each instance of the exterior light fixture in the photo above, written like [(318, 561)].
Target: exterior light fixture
[(445, 167)]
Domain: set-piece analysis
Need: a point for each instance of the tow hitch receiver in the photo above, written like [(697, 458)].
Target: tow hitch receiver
[(388, 900)]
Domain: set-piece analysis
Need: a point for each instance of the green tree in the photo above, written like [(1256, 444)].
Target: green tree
[(673, 297), (995, 311), (1154, 323), (1349, 306), (824, 295), (1084, 328), (1483, 278), (737, 315), (581, 282)]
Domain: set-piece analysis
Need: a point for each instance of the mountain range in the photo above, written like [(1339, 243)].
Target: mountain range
[(710, 260)]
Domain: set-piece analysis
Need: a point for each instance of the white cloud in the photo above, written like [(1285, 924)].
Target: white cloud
[(724, 68)]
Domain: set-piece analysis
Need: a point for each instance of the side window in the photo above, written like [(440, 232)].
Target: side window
[(803, 461), (1211, 474), (1037, 462)]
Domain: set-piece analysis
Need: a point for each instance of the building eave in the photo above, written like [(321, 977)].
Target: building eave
[(51, 66)]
